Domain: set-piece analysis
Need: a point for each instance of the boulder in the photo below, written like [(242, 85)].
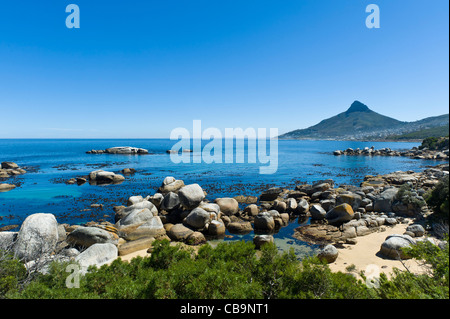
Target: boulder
[(328, 254), (352, 199), (239, 227), (416, 229), (291, 204), (210, 207), (134, 200), (7, 239), (279, 206), (228, 206), (6, 187), (171, 185), (393, 245), (216, 229), (103, 177), (340, 214), (317, 212), (97, 255), (302, 206), (152, 227), (196, 238), (260, 240), (264, 221), (198, 218), (9, 165), (179, 232), (191, 196), (37, 236), (135, 245), (270, 194), (383, 203), (126, 150), (136, 216), (156, 199), (88, 236), (251, 210), (171, 201), (168, 180)]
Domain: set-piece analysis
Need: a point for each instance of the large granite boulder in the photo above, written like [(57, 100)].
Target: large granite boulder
[(383, 203), (393, 245), (264, 221), (317, 212), (37, 236), (198, 218), (354, 200), (88, 236), (340, 214), (179, 232), (228, 206), (260, 240), (328, 254), (191, 196), (103, 177), (270, 194), (97, 255)]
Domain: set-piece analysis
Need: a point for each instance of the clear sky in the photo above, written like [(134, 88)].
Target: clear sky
[(143, 68)]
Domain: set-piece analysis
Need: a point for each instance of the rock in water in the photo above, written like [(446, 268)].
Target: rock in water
[(264, 222), (126, 150), (6, 187), (38, 236)]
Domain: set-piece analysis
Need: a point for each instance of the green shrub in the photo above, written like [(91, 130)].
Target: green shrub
[(12, 273), (235, 271), (438, 199)]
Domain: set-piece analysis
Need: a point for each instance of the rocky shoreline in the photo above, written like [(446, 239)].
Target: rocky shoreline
[(414, 153), (181, 213)]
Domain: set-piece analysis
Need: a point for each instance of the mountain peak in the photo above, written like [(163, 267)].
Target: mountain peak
[(358, 107)]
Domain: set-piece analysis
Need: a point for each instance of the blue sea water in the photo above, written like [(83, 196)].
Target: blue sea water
[(50, 162)]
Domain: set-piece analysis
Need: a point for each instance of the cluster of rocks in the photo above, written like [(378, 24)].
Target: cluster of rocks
[(415, 153), (101, 177), (181, 213), (120, 150), (41, 240), (340, 215), (7, 170)]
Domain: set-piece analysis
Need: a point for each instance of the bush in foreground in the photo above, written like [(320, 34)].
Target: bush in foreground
[(231, 270)]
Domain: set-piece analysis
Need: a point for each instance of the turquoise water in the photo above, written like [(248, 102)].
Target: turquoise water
[(51, 162)]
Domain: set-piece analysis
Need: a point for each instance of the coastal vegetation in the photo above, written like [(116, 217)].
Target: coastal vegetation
[(230, 270)]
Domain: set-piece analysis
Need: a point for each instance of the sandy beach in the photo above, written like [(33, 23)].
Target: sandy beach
[(364, 255)]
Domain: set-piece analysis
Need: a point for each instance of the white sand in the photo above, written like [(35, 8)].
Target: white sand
[(364, 255)]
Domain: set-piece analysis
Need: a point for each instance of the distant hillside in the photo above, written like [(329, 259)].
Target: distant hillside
[(437, 131), (360, 122)]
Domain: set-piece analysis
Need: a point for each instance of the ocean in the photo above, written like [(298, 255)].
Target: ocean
[(51, 162)]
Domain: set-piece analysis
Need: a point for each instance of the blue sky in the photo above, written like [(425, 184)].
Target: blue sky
[(142, 68)]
